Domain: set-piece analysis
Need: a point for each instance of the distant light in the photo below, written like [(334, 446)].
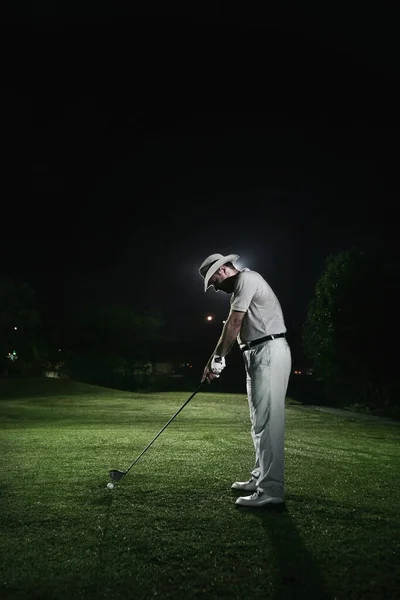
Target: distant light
[(15, 328), (209, 318)]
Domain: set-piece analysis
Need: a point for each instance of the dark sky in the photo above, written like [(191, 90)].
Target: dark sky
[(137, 146)]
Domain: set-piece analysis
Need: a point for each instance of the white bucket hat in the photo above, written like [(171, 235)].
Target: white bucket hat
[(212, 263)]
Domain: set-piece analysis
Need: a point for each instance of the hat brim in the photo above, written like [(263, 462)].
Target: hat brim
[(215, 266)]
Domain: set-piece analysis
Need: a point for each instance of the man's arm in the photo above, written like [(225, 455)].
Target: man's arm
[(229, 333), (228, 337)]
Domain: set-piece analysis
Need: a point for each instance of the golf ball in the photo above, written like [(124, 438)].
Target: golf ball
[(110, 486)]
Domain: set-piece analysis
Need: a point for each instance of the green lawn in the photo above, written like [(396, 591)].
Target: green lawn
[(170, 529)]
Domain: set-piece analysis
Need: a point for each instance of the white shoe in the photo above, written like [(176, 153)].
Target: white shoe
[(245, 486), (258, 499)]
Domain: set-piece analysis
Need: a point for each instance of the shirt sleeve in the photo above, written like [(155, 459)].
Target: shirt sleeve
[(246, 288)]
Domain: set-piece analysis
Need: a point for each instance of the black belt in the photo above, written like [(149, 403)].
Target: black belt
[(267, 338)]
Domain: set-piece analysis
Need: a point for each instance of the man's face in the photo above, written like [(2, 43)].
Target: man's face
[(222, 280)]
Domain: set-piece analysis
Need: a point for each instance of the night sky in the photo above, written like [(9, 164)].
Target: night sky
[(140, 146)]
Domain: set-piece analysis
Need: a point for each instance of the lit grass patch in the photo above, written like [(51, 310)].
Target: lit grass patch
[(170, 528)]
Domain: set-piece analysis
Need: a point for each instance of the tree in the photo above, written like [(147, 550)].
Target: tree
[(105, 342), (19, 325), (346, 333)]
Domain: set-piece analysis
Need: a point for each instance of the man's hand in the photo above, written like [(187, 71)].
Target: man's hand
[(218, 364), (213, 368)]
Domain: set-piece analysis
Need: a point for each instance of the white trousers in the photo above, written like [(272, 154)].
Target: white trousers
[(267, 376)]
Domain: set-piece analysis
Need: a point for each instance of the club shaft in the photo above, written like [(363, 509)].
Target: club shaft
[(165, 426)]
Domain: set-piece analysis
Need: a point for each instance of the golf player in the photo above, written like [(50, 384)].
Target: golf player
[(256, 321)]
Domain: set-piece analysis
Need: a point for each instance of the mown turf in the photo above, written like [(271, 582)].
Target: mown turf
[(170, 528)]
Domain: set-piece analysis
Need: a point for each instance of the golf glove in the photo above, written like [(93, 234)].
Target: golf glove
[(218, 364)]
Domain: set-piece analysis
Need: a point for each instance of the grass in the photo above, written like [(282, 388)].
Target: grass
[(170, 528)]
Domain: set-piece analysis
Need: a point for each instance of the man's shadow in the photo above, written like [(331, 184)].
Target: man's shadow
[(298, 574)]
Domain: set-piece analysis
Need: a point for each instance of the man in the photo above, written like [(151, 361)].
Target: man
[(256, 321)]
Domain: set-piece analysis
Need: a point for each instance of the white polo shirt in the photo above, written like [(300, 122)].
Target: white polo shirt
[(255, 297)]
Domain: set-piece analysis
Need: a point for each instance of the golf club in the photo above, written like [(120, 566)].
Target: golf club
[(117, 475)]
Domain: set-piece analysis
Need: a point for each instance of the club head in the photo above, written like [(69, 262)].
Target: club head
[(117, 475)]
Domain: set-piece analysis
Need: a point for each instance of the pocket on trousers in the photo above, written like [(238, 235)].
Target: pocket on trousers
[(260, 356)]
